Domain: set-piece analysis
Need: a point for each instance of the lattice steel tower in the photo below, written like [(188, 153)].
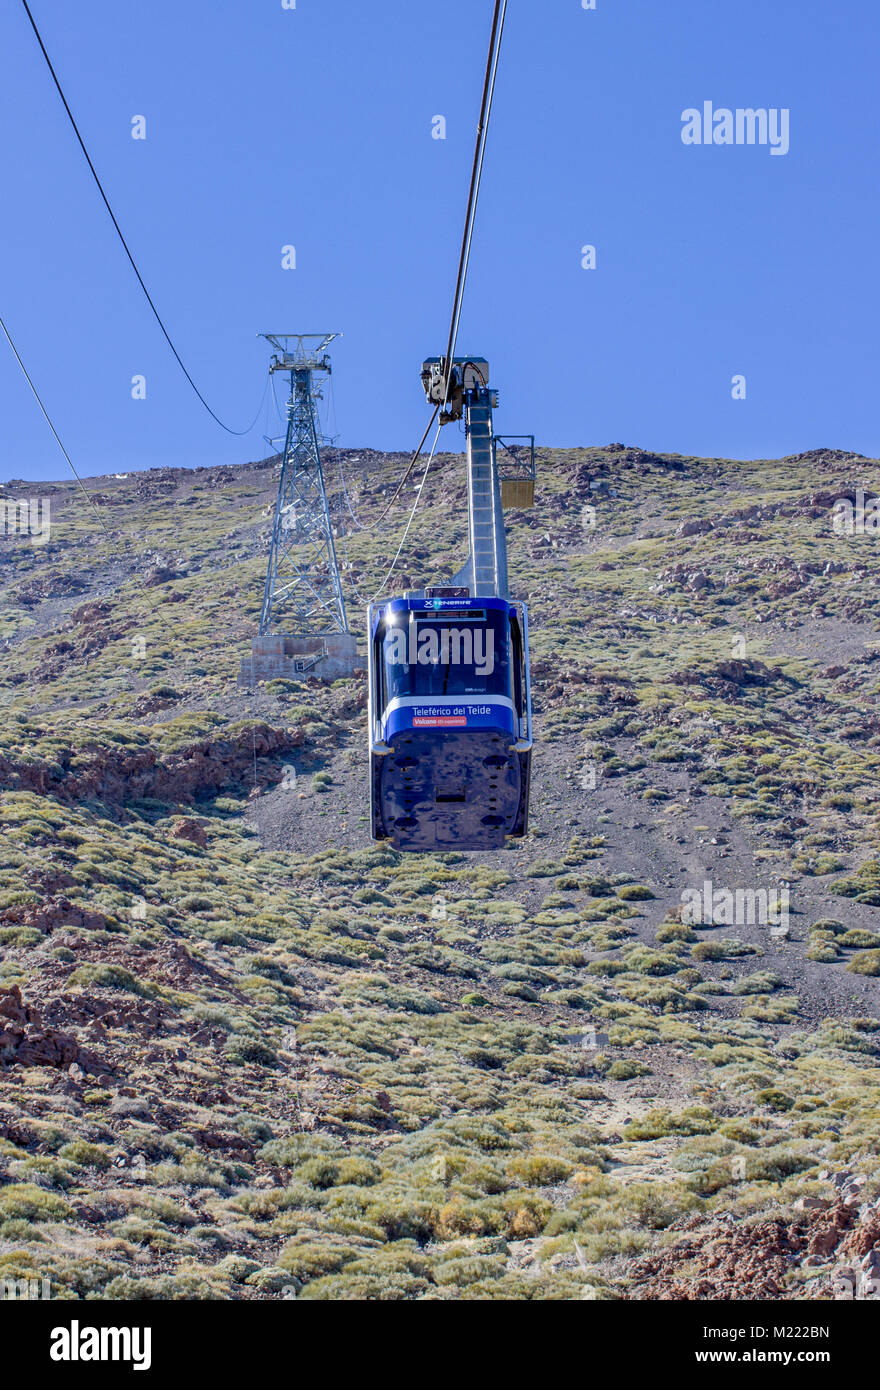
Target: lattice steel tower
[(303, 593)]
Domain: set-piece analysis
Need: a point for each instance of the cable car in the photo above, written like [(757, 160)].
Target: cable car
[(450, 720)]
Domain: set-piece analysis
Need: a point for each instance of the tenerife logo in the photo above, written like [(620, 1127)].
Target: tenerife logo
[(744, 126), (448, 646), (75, 1343)]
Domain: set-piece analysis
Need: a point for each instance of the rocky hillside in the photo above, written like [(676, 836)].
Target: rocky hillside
[(246, 1054)]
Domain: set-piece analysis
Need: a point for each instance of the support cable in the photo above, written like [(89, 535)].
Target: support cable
[(83, 489), (498, 18), (481, 145), (409, 523), (125, 245), (173, 633)]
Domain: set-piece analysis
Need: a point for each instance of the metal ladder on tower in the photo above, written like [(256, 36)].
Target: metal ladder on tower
[(468, 394)]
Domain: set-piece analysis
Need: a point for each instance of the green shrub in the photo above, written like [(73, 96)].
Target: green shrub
[(469, 1269), (25, 1202), (539, 1170), (762, 982), (240, 1050), (307, 1260), (85, 1154), (110, 976), (776, 1099), (520, 990), (867, 963), (675, 931), (859, 938), (625, 1071), (822, 952)]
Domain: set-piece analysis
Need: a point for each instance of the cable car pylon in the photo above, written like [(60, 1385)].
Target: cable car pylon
[(303, 621)]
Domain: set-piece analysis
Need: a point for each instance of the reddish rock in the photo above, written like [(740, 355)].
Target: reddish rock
[(54, 913), (43, 1047), (738, 1261), (227, 1141), (190, 830), (159, 574), (865, 1239), (49, 880), (121, 775), (24, 1039), (88, 614)]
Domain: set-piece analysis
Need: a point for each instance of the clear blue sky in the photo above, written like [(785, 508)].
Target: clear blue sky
[(312, 127)]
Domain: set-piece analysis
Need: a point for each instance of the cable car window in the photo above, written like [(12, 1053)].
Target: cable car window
[(438, 657), (517, 665)]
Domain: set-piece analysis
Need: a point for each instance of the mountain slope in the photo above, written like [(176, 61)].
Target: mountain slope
[(245, 1053)]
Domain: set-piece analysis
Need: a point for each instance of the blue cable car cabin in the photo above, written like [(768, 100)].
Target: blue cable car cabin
[(450, 722)]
